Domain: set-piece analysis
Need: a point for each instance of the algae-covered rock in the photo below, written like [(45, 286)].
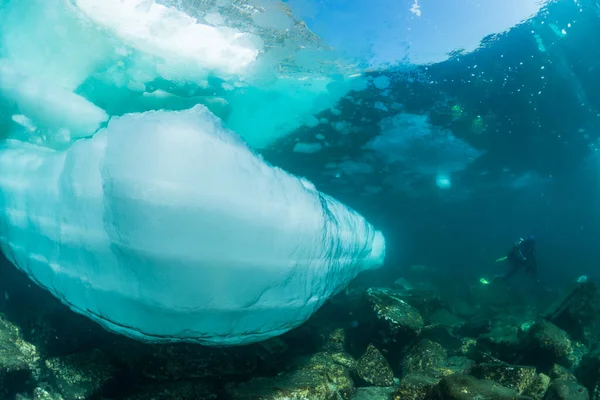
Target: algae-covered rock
[(430, 359), (546, 344), (318, 377), (566, 389), (336, 342), (344, 359), (395, 313), (426, 301), (502, 342), (518, 378), (415, 386), (466, 387), (559, 372), (374, 369), (458, 365), (197, 390), (79, 376), (468, 347), (373, 393), (43, 394), (538, 388), (588, 371), (595, 393), (576, 310), (579, 351), (425, 357), (18, 359), (443, 335)]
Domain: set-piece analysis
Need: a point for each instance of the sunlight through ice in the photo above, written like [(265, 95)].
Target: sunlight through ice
[(416, 8), (443, 181)]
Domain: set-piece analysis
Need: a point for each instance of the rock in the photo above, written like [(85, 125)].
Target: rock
[(397, 315), (385, 319), (566, 389), (167, 362), (520, 319), (425, 357), (318, 377), (538, 388), (474, 327), (559, 372), (57, 331), (374, 369), (373, 393), (336, 342), (415, 386), (18, 360), (502, 342), (466, 387), (308, 338), (468, 347), (588, 371), (523, 379), (458, 365), (576, 310), (43, 394), (579, 351), (425, 301), (524, 328), (546, 344), (196, 390), (79, 376), (442, 317), (53, 328), (518, 378), (345, 360), (428, 358), (595, 393), (444, 336)]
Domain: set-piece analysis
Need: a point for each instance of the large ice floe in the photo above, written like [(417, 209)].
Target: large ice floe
[(125, 189)]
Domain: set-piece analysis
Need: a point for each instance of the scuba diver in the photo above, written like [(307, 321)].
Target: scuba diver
[(520, 256)]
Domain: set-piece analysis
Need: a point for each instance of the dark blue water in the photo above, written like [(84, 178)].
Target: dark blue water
[(529, 99)]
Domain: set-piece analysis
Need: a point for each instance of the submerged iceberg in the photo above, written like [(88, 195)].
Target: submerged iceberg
[(69, 65), (124, 189), (165, 226)]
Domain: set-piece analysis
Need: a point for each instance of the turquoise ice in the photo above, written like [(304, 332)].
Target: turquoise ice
[(130, 188)]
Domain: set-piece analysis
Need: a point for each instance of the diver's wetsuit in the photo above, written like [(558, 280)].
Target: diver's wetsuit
[(522, 255)]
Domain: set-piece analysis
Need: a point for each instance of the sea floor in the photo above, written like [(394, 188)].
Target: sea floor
[(368, 343)]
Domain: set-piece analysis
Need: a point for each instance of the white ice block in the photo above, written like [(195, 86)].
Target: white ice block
[(50, 106), (178, 39), (165, 226)]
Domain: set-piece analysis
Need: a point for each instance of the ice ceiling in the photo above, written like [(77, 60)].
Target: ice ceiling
[(131, 183)]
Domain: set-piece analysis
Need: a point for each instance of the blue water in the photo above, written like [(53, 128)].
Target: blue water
[(453, 127), (528, 99)]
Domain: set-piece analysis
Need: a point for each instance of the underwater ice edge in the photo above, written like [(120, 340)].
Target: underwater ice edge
[(186, 236), (163, 225)]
